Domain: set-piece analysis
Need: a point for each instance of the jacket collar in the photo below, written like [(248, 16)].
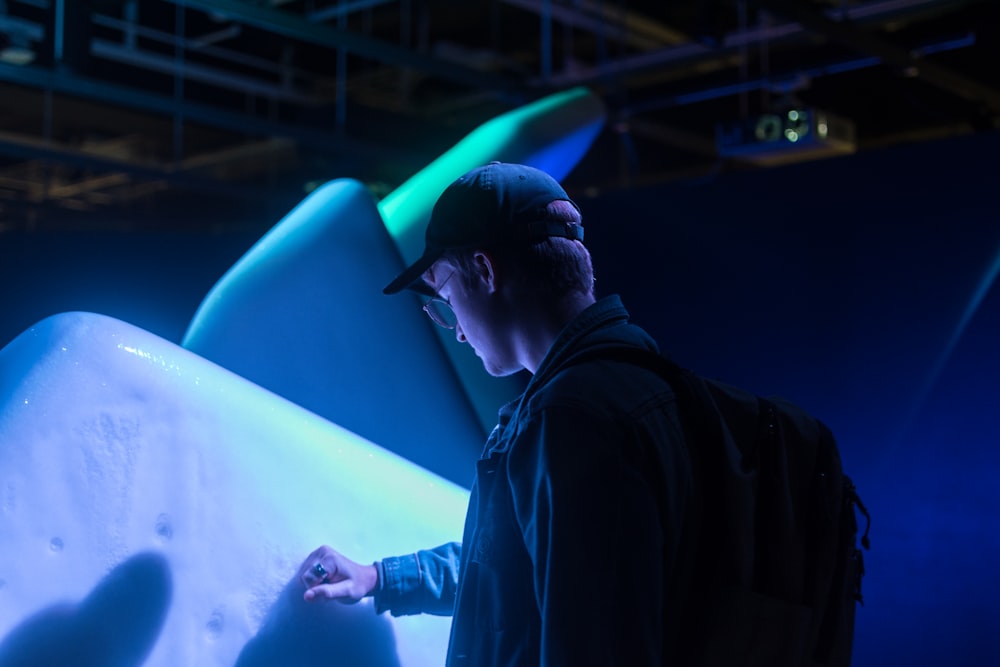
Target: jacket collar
[(605, 312)]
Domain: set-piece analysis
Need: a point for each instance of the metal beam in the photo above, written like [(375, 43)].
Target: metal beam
[(573, 18), (221, 79), (788, 81), (13, 25), (289, 25), (343, 8), (849, 35), (19, 147), (732, 44), (164, 105)]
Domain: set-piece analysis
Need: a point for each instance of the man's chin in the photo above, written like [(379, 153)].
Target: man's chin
[(499, 372), (493, 369)]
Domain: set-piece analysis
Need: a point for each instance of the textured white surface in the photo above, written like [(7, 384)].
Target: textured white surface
[(131, 467)]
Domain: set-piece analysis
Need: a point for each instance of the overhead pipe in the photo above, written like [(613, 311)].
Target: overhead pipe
[(546, 45), (691, 52), (340, 110), (343, 9), (162, 105), (785, 80), (610, 22), (288, 25), (58, 30), (203, 45), (180, 27), (169, 65), (27, 150), (890, 54), (13, 25)]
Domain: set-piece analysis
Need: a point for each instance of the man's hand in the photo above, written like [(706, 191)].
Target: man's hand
[(327, 575)]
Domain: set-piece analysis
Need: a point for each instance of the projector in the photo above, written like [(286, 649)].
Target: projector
[(794, 135)]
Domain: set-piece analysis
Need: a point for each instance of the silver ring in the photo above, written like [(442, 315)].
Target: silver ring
[(320, 571)]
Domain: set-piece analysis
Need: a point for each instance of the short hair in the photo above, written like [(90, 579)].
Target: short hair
[(554, 266)]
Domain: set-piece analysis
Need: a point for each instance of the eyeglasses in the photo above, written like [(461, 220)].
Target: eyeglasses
[(440, 311)]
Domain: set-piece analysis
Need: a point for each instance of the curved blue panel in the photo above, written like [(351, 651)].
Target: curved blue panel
[(302, 314)]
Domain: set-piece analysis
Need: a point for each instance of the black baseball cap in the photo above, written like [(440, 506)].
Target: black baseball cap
[(498, 203)]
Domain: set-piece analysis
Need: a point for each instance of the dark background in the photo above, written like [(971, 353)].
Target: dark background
[(862, 287)]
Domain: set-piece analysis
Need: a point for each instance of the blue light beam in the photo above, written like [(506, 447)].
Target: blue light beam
[(978, 296)]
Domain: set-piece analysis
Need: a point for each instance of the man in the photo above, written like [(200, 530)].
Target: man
[(576, 544)]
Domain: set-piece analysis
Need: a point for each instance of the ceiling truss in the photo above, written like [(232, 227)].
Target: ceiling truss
[(115, 102)]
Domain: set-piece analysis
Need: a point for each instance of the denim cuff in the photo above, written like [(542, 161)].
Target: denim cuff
[(398, 581)]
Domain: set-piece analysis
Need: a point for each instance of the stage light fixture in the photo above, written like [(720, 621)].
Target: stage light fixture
[(790, 135)]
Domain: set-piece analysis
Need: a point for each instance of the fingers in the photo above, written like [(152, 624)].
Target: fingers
[(321, 566), (341, 591), (327, 575)]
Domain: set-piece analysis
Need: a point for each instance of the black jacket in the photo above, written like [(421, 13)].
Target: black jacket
[(572, 553)]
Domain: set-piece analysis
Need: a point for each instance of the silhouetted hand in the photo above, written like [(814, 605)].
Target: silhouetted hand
[(328, 575)]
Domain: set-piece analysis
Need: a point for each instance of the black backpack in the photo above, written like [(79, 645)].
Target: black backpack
[(778, 570)]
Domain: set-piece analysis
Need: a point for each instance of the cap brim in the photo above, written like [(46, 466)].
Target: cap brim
[(412, 277)]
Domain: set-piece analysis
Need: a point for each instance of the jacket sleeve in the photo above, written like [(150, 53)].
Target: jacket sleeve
[(424, 582), (595, 531)]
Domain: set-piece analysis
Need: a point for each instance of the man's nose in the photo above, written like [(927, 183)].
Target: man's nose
[(459, 335)]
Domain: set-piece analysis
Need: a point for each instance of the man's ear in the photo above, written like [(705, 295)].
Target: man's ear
[(486, 270)]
